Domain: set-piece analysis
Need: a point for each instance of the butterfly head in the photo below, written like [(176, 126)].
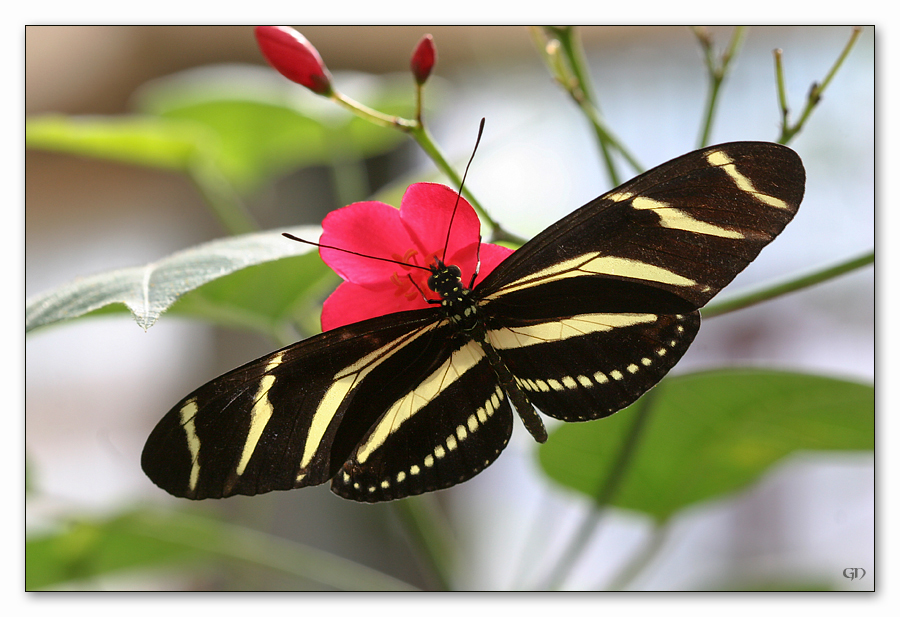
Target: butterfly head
[(444, 280)]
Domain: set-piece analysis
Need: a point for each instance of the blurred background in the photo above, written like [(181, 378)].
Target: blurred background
[(96, 387)]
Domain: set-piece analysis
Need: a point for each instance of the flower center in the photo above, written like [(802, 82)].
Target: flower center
[(402, 281)]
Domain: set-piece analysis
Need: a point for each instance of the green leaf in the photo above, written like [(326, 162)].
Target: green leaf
[(266, 126), (86, 549), (140, 140), (710, 434), (149, 290), (271, 298)]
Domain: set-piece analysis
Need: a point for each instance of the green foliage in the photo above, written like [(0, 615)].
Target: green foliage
[(85, 549), (231, 132), (139, 140), (271, 298), (263, 128), (234, 298), (251, 130), (90, 548), (708, 435)]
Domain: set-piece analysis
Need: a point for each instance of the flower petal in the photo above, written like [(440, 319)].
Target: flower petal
[(426, 211), (370, 228), (350, 303), (490, 254)]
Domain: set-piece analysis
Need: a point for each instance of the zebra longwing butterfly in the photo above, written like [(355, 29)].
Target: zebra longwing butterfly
[(579, 322)]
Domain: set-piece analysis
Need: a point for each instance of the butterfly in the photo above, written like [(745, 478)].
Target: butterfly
[(577, 323)]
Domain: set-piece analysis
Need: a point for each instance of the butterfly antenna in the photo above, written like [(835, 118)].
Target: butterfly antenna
[(337, 248), (461, 184)]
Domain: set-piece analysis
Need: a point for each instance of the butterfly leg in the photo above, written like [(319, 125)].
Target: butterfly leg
[(477, 264)]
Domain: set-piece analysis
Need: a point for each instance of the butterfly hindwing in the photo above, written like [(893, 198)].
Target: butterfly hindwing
[(448, 428), (589, 366)]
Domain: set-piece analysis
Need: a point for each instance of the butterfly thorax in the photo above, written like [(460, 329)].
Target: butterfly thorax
[(456, 299)]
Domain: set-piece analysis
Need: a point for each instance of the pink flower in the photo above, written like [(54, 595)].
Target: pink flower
[(423, 58), (293, 56), (414, 234)]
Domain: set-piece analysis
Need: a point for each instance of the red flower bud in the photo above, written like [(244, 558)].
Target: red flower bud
[(293, 56), (423, 58)]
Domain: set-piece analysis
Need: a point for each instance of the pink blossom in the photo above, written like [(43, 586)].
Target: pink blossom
[(414, 234)]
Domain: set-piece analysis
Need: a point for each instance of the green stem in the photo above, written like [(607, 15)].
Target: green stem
[(372, 115), (815, 91), (573, 75), (582, 92), (606, 491), (801, 282), (574, 50), (225, 202), (416, 129), (640, 560), (782, 96), (419, 104), (716, 73), (430, 532), (430, 147)]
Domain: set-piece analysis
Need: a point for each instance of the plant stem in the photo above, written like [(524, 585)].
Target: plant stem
[(225, 202), (416, 129), (640, 560), (565, 59), (801, 282), (605, 491), (431, 534), (716, 73), (815, 92), (372, 115), (430, 147)]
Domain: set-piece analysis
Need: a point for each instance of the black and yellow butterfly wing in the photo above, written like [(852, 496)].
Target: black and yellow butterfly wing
[(579, 322), (611, 291)]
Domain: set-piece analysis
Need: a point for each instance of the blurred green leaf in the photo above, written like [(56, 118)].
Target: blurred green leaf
[(85, 549), (271, 298), (712, 433), (140, 140), (149, 290), (249, 123), (266, 126)]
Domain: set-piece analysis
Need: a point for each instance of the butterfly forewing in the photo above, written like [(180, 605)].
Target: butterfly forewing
[(687, 227)]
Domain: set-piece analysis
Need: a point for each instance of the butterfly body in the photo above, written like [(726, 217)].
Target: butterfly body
[(578, 323)]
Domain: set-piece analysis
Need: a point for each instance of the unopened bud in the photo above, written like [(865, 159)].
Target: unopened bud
[(293, 56), (423, 59)]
